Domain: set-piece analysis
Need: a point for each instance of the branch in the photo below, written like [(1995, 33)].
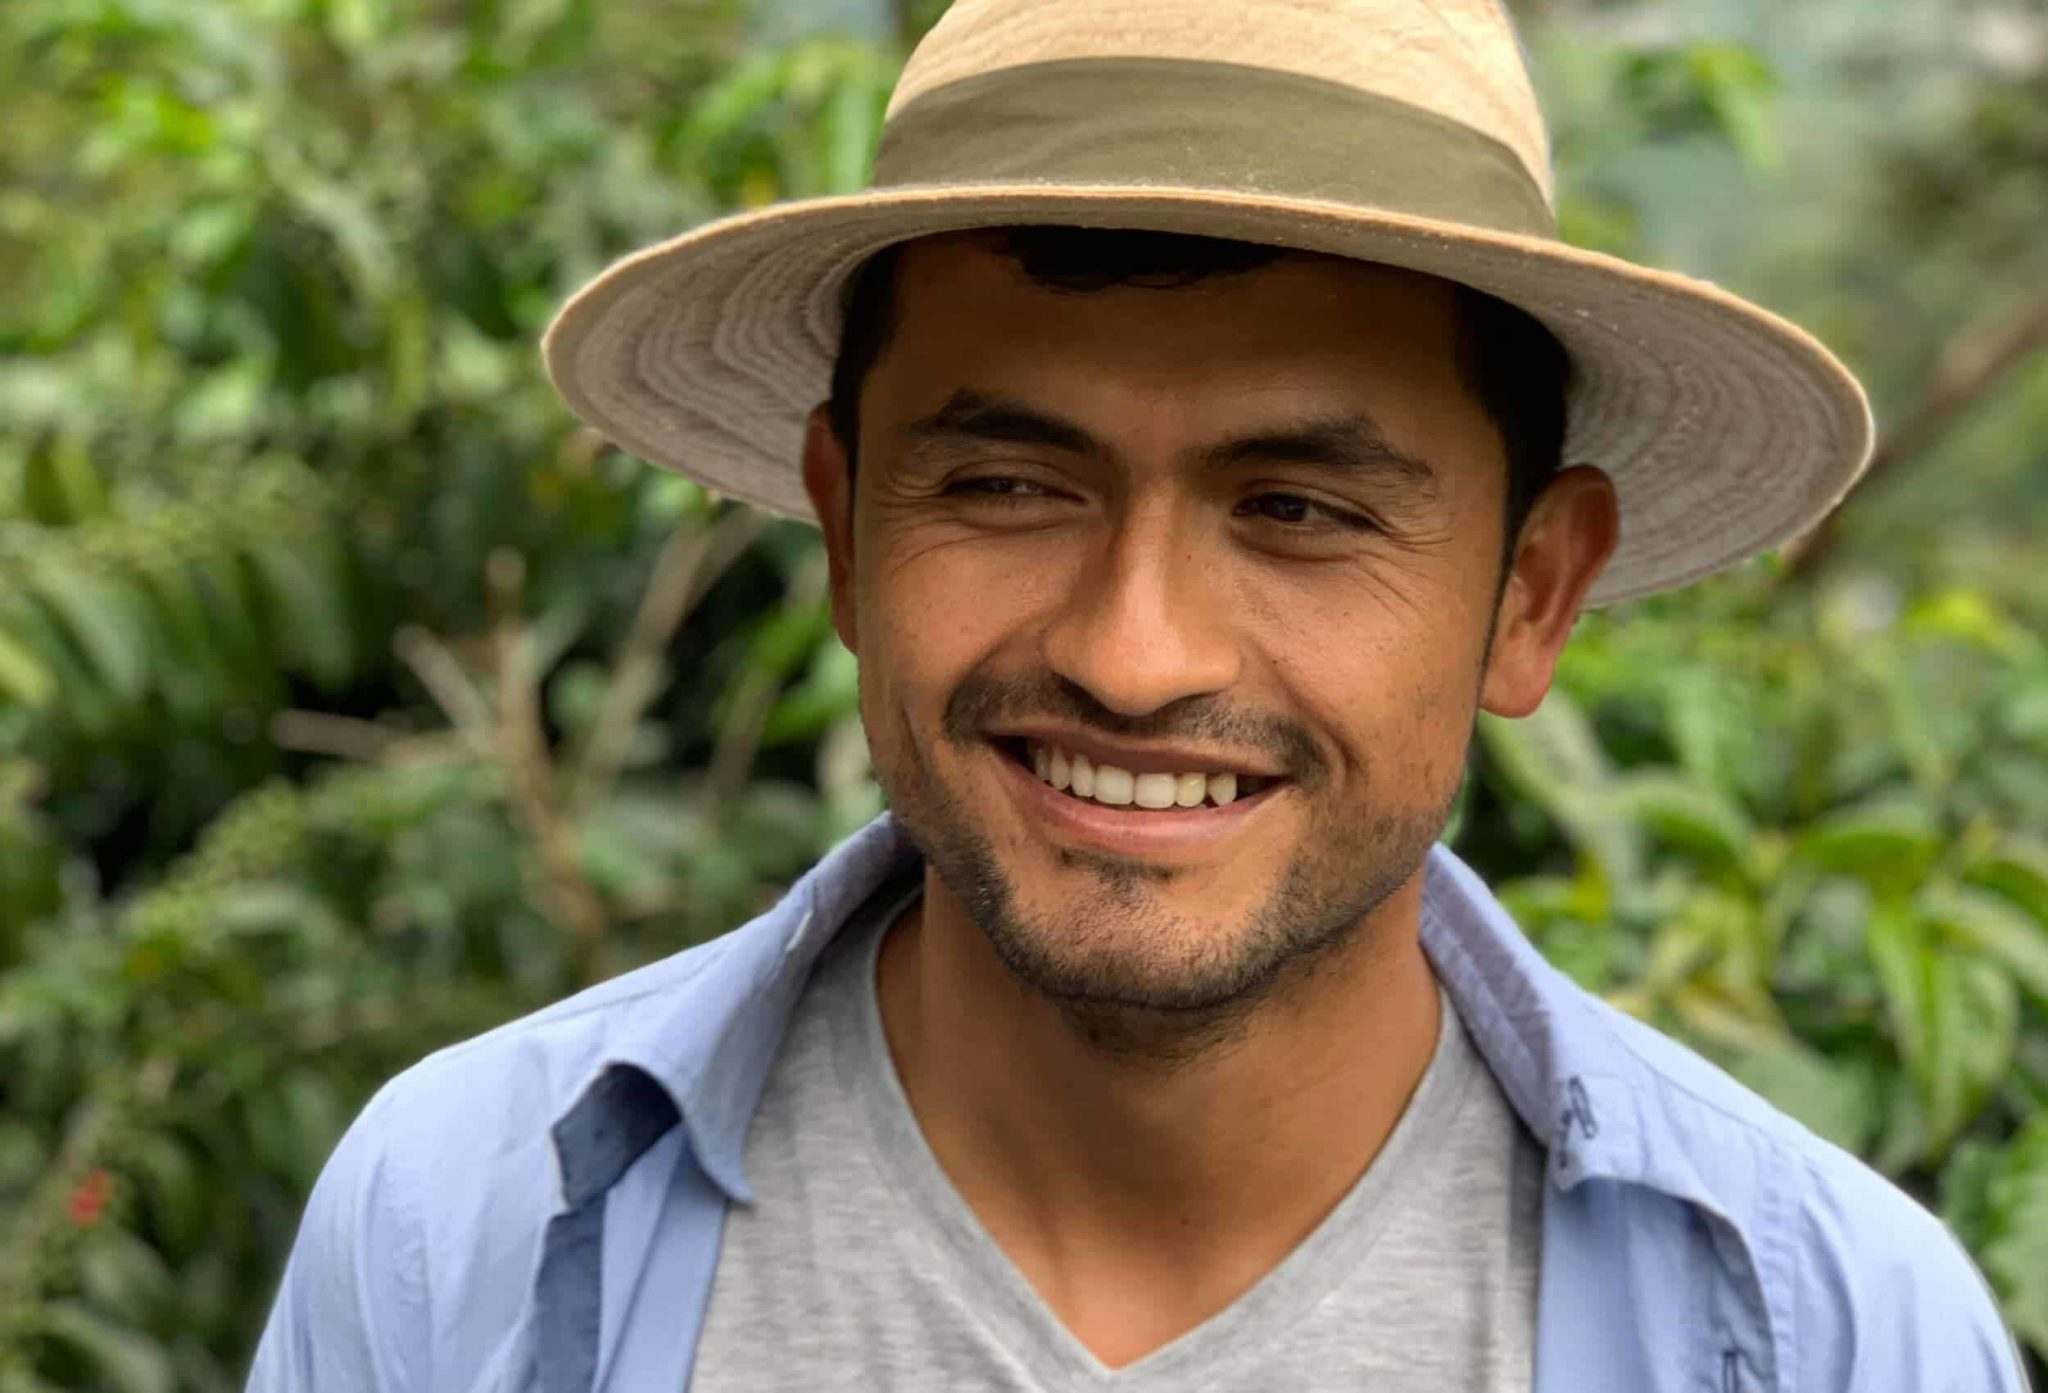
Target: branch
[(442, 674), (365, 742), (1973, 364), (733, 756), (322, 733), (522, 747), (686, 569)]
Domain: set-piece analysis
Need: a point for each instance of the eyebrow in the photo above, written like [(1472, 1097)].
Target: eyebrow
[(969, 416), (1348, 443)]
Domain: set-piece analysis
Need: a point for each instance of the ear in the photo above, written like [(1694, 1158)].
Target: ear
[(1571, 531), (831, 490)]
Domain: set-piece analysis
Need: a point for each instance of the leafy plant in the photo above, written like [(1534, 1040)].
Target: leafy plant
[(1768, 829), (352, 699)]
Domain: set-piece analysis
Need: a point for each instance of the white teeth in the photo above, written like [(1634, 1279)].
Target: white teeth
[(1084, 777), (1153, 790), (1105, 783), (1113, 785)]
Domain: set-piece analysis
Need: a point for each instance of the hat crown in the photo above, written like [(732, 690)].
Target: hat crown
[(1456, 59)]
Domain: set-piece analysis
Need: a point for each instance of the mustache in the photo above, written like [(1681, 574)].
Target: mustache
[(984, 699)]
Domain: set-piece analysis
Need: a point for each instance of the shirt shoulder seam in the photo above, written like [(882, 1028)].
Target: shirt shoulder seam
[(1773, 1133)]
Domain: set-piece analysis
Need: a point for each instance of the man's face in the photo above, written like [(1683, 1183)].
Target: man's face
[(1248, 528)]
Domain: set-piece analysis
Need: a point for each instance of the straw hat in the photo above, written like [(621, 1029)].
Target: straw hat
[(1396, 131)]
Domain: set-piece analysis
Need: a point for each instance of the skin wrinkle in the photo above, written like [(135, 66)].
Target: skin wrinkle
[(1302, 913), (1513, 365), (1197, 1052), (1348, 444)]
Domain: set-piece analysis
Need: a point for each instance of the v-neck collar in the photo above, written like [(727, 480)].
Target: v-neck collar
[(946, 1227)]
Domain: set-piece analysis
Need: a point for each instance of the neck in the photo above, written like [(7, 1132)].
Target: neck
[(1096, 1168)]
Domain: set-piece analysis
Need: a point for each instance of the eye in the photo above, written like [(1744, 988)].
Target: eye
[(1300, 513), (999, 488)]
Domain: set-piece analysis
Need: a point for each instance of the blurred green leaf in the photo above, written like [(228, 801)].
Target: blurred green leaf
[(1718, 87), (1990, 925), (109, 623), (1888, 843), (2015, 1250), (1836, 1100), (60, 486), (1552, 757), (124, 1278), (173, 1187), (2017, 870), (1686, 814), (830, 689), (1955, 1020), (122, 1359), (852, 121), (22, 674), (302, 584)]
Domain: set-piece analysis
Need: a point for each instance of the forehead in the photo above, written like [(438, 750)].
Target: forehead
[(1303, 332)]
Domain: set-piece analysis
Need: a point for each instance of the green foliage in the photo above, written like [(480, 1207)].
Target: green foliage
[(341, 698), (352, 699), (1997, 1198), (1804, 839)]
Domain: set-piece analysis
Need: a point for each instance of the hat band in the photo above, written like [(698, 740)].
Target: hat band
[(1182, 123)]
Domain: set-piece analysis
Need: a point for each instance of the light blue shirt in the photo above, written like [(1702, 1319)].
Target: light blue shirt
[(538, 1210)]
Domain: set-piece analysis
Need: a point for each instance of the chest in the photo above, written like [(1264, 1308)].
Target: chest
[(869, 1296), (859, 1263)]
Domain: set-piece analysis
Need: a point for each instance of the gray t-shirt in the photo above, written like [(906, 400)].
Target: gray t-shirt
[(859, 1265)]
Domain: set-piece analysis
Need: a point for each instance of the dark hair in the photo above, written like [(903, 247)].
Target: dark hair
[(1514, 365)]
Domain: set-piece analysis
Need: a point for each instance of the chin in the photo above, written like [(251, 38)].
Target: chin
[(1190, 931)]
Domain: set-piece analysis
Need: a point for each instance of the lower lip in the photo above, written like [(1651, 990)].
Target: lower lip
[(1132, 830)]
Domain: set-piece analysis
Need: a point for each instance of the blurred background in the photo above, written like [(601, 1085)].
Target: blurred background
[(353, 699)]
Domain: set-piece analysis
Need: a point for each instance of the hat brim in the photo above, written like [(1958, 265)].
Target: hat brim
[(1725, 429)]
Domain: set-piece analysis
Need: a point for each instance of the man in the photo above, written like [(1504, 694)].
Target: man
[(1204, 425)]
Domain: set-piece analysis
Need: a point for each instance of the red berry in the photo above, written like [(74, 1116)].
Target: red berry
[(89, 1197)]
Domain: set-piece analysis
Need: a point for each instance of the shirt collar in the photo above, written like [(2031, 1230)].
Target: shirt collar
[(710, 1038)]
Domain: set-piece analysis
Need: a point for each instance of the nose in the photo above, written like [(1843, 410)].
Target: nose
[(1145, 623)]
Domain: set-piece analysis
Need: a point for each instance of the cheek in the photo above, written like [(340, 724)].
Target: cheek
[(1389, 684), (931, 614)]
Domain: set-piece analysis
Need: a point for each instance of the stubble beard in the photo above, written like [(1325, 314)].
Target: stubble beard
[(1133, 979)]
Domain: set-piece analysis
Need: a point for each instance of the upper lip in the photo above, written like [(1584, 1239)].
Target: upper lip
[(1139, 758)]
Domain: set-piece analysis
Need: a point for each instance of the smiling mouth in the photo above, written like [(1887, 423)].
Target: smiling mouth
[(1110, 786)]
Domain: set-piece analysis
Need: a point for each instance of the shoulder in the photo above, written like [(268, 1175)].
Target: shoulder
[(430, 1209), (1867, 1287), (509, 1083), (1889, 1298), (485, 1108)]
